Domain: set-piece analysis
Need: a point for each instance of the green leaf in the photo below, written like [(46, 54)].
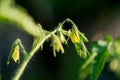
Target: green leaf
[(101, 48), (117, 47), (108, 38), (98, 65), (15, 14), (118, 39)]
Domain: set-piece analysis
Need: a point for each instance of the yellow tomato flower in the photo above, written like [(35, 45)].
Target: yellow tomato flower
[(15, 54), (57, 46), (74, 36)]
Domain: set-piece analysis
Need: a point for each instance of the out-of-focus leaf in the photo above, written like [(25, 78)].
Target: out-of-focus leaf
[(117, 47), (108, 38), (101, 48), (98, 64), (15, 14)]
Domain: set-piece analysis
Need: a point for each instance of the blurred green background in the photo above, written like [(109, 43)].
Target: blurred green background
[(94, 18)]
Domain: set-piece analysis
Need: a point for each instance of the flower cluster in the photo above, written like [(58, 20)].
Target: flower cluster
[(74, 34)]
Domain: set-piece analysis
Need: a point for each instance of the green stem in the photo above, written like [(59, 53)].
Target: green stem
[(26, 60)]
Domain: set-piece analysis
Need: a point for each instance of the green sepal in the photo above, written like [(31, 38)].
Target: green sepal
[(81, 49)]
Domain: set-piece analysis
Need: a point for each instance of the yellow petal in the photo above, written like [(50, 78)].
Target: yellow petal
[(74, 36), (57, 46), (16, 55)]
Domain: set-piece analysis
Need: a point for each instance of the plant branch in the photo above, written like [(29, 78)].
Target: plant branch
[(27, 58)]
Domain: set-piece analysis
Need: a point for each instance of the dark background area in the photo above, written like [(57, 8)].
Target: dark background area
[(94, 18)]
